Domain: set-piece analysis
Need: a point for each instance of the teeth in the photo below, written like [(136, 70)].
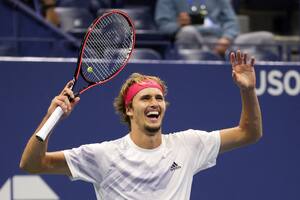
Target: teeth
[(153, 113)]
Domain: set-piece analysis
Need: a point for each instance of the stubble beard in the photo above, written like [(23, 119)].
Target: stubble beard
[(151, 131)]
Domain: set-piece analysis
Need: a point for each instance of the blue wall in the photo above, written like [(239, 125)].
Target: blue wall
[(201, 96)]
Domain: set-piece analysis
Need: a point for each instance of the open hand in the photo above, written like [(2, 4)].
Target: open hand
[(243, 72)]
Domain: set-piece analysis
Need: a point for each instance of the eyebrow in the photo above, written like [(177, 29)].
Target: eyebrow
[(148, 96)]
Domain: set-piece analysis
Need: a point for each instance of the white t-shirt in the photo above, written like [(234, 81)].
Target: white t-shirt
[(119, 169)]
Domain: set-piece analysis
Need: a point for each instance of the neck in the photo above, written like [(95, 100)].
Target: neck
[(146, 140)]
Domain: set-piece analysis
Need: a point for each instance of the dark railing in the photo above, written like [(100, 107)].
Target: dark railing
[(31, 13)]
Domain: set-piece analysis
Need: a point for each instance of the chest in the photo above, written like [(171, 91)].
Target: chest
[(133, 172)]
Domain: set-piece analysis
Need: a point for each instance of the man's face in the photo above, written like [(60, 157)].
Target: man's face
[(147, 110)]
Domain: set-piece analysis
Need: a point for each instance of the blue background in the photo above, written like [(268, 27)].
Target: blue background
[(201, 95)]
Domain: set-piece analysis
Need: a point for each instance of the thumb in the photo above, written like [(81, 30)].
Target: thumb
[(75, 101)]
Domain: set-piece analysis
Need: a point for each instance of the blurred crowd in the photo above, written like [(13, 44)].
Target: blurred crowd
[(209, 26)]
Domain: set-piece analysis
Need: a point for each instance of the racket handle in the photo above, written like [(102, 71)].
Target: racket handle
[(50, 123)]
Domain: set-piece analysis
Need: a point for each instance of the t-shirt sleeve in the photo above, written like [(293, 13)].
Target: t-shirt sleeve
[(87, 162), (204, 148)]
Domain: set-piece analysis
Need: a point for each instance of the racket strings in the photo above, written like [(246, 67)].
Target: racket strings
[(104, 64), (107, 47)]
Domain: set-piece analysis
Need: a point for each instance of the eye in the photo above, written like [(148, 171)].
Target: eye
[(159, 98), (145, 97)]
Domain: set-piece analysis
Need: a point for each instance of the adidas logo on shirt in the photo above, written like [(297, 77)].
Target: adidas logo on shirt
[(174, 166)]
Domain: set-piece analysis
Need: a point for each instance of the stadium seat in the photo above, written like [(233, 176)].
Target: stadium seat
[(145, 54), (74, 20), (266, 55), (141, 17)]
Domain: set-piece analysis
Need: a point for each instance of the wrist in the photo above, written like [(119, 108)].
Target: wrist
[(251, 90)]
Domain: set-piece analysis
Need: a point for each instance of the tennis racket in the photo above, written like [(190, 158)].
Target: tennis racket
[(104, 52)]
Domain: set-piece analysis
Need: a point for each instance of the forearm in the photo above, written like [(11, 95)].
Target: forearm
[(33, 157), (249, 129), (251, 120)]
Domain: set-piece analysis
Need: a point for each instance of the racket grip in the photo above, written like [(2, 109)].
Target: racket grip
[(50, 123)]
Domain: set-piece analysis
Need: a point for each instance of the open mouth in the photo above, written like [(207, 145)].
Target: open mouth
[(153, 114)]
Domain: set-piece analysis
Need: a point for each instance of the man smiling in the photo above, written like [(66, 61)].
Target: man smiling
[(145, 163)]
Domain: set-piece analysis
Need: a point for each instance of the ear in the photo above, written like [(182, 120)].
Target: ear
[(129, 110)]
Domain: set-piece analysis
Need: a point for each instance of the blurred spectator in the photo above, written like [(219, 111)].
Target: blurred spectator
[(92, 5), (48, 7), (45, 8), (208, 25), (48, 11)]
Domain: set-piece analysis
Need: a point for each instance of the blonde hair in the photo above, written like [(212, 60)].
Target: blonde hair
[(119, 103)]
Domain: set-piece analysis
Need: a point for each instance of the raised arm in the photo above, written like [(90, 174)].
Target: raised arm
[(35, 158), (249, 129)]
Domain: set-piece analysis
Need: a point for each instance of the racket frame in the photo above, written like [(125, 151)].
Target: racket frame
[(89, 30)]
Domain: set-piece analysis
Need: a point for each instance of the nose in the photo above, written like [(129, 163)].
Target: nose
[(153, 102)]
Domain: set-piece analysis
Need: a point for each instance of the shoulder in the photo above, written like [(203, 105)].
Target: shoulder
[(191, 136), (185, 133), (96, 148), (181, 135)]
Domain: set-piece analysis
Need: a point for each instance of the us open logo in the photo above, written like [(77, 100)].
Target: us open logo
[(276, 82), (21, 187)]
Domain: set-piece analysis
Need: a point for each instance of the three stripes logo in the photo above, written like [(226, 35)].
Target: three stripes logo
[(174, 166)]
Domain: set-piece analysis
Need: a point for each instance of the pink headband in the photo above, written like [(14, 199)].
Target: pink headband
[(136, 87)]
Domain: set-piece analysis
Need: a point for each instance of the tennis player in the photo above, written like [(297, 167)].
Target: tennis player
[(146, 164)]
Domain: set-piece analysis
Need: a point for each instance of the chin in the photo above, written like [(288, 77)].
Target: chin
[(152, 130)]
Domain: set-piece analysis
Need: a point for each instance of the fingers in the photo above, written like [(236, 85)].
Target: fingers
[(67, 91), (66, 99), (75, 101), (245, 58), (252, 61), (63, 102), (237, 58), (232, 58), (70, 84), (240, 58)]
